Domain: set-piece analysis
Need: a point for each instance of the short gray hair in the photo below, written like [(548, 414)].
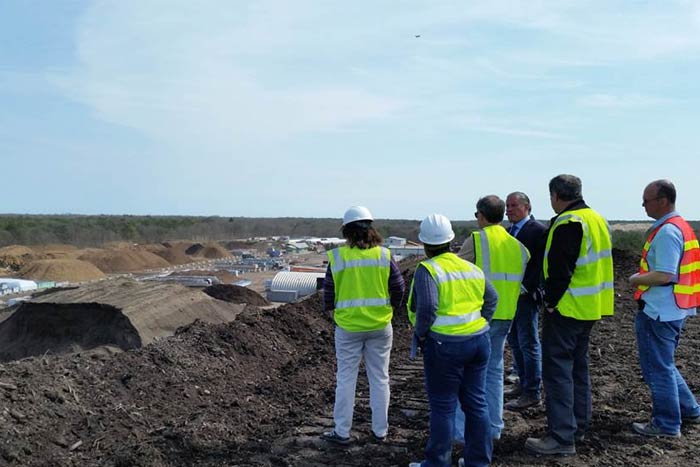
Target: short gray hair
[(567, 187)]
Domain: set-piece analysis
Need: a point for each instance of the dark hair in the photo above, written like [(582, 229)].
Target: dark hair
[(567, 187), (361, 234), (492, 208), (435, 250), (522, 197), (665, 189)]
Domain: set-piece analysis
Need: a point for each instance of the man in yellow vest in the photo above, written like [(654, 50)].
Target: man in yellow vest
[(578, 275), (668, 291), (503, 259), (449, 304), (362, 287)]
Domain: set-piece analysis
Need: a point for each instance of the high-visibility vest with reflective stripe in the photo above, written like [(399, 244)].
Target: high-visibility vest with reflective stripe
[(687, 290), (361, 279), (460, 287), (590, 294), (503, 259)]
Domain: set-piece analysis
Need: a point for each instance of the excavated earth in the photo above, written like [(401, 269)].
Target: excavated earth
[(259, 390)]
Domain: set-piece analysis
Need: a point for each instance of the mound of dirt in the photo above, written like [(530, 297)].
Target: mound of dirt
[(173, 253), (61, 270), (209, 251), (15, 257), (235, 294), (124, 260), (59, 328)]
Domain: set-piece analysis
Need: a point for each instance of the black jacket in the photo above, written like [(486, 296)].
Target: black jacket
[(562, 256), (533, 236)]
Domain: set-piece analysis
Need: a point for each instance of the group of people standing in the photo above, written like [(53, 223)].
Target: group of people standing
[(464, 306)]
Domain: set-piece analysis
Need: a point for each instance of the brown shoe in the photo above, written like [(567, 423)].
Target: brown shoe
[(523, 402)]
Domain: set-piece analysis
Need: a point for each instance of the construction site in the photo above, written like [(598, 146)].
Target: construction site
[(128, 372)]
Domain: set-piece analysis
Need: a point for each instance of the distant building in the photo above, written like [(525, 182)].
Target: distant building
[(401, 252), (394, 241), (296, 247), (289, 286), (9, 285)]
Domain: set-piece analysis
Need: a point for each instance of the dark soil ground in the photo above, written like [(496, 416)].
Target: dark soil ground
[(258, 392), (236, 294)]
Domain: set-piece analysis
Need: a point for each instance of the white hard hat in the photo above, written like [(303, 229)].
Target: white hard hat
[(436, 229), (357, 213)]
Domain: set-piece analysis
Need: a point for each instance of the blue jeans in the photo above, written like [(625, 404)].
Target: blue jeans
[(498, 331), (457, 371), (524, 342), (671, 398)]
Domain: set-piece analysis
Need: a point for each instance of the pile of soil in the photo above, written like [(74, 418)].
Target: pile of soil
[(259, 390), (209, 251), (173, 253), (154, 309), (15, 257), (236, 294), (61, 270), (124, 260), (57, 251)]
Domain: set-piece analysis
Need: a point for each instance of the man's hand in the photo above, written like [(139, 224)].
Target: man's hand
[(633, 278)]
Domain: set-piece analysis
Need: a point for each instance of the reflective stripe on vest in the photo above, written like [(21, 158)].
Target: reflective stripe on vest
[(460, 286), (687, 290), (590, 294), (361, 279), (339, 263), (503, 259)]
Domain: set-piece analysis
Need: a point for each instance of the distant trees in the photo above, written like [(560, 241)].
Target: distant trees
[(84, 231)]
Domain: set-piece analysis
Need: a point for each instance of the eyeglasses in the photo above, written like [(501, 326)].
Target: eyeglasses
[(476, 214), (647, 201)]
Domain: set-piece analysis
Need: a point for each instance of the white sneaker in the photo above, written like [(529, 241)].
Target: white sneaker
[(414, 464), (461, 462)]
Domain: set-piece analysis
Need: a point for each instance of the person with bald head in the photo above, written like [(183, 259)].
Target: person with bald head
[(668, 291)]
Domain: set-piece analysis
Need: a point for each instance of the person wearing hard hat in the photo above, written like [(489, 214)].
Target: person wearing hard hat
[(361, 288), (450, 304)]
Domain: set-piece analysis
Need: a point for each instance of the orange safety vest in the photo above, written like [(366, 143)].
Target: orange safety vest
[(687, 290)]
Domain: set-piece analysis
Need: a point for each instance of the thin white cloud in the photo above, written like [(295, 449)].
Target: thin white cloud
[(627, 101)]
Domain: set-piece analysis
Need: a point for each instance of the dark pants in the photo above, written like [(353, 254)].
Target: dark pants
[(524, 342), (567, 383), (456, 372)]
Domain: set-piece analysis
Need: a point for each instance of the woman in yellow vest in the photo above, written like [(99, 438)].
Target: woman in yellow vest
[(450, 304), (361, 288)]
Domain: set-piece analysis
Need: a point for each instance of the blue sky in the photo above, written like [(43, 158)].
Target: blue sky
[(303, 108)]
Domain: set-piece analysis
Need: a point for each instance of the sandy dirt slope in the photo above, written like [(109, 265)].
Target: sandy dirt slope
[(122, 313)]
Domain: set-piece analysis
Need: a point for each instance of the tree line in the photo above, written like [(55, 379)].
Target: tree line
[(94, 231)]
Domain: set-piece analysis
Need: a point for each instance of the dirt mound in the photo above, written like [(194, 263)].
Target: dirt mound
[(236, 294), (124, 260), (209, 251), (38, 328), (15, 257), (61, 270), (173, 253)]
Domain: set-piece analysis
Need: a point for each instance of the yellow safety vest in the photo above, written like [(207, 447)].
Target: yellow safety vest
[(503, 259), (460, 287), (361, 279), (590, 294)]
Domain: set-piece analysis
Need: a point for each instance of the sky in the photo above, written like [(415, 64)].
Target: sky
[(303, 108)]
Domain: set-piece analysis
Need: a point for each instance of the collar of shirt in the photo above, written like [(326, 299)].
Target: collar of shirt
[(663, 219), (515, 228)]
